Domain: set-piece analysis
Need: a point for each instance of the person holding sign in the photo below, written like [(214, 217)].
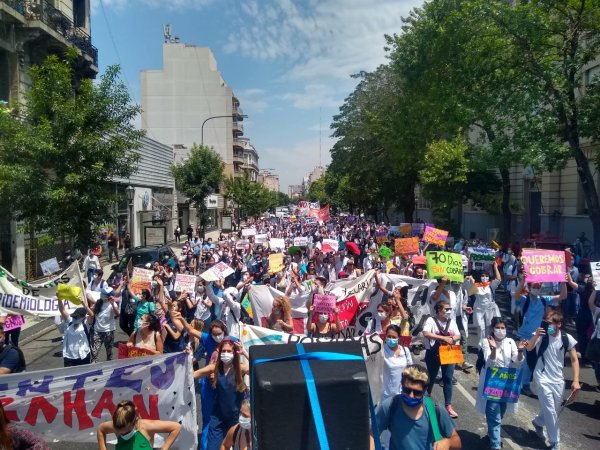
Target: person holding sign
[(437, 331), (148, 335), (552, 346), (323, 327), (498, 351), (484, 308)]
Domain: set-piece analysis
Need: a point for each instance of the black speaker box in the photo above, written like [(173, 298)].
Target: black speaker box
[(282, 415)]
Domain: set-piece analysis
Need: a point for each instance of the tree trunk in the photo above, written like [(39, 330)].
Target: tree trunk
[(506, 213)]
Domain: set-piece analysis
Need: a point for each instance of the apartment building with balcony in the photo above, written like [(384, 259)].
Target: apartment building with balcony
[(188, 102), (269, 180)]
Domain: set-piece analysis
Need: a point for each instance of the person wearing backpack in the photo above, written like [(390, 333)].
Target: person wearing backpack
[(76, 342), (441, 330), (497, 351), (551, 346), (11, 358), (414, 421), (533, 307)]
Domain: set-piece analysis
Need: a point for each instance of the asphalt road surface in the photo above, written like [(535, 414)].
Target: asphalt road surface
[(580, 422)]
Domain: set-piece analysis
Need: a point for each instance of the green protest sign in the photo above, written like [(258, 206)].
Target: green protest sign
[(445, 263), (385, 252)]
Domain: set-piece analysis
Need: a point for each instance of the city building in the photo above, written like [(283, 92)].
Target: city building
[(269, 180), (295, 191), (30, 31), (188, 102), (245, 158), (317, 173)]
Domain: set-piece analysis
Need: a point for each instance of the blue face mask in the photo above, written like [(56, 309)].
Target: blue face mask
[(551, 329), (391, 342), (411, 401)]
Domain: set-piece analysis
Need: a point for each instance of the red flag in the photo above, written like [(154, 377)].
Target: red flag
[(324, 214)]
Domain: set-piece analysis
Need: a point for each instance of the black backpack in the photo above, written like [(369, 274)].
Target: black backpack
[(544, 346), (22, 366), (480, 360)]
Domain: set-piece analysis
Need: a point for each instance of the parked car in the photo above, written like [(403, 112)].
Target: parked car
[(140, 257)]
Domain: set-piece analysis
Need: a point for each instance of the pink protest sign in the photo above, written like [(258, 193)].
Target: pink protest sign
[(13, 322), (544, 265), (435, 236), (324, 303)]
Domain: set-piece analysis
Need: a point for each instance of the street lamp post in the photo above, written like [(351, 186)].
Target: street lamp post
[(130, 194), (217, 117)]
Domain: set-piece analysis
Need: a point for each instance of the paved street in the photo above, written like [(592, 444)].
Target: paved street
[(579, 422)]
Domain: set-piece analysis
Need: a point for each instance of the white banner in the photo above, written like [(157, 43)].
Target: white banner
[(277, 244), (371, 345), (333, 243), (248, 232), (218, 271), (68, 404), (301, 241), (185, 283), (261, 238), (38, 298)]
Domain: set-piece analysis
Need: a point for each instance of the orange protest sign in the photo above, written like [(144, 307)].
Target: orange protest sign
[(405, 229), (407, 246), (451, 354), (435, 236)]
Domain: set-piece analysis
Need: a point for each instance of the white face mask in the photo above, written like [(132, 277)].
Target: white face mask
[(323, 318), (218, 338), (129, 435), (245, 422), (499, 333), (485, 279), (226, 358), (381, 315)]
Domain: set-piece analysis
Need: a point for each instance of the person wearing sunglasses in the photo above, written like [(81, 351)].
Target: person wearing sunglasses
[(411, 417)]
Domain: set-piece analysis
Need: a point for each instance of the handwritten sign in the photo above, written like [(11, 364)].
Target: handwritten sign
[(242, 244), (248, 232), (405, 229), (301, 241), (481, 254), (13, 322), (132, 352), (502, 384), (445, 263), (596, 273), (435, 236), (276, 262), (277, 244), (417, 228), (141, 279), (50, 266), (544, 265), (218, 271), (407, 246), (185, 283), (394, 231), (385, 252), (381, 237), (324, 303), (261, 239)]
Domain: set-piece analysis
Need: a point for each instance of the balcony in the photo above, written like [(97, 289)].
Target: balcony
[(42, 11), (238, 158), (239, 143), (238, 127), (236, 110)]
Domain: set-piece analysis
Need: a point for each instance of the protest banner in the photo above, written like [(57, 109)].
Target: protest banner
[(544, 265), (50, 266), (372, 346), (419, 260), (417, 229), (185, 283), (261, 238), (246, 232), (445, 263), (242, 244), (141, 279), (12, 322), (596, 273), (394, 231), (435, 236), (407, 246), (310, 220), (405, 229), (381, 237), (324, 303), (276, 263), (481, 254), (277, 244), (132, 352), (301, 241), (502, 384), (37, 298), (451, 354), (324, 214), (313, 212), (218, 271), (333, 243), (68, 404)]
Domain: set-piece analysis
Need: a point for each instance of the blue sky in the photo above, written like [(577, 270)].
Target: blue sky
[(288, 61)]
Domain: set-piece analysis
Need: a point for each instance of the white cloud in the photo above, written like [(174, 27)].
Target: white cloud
[(172, 5), (253, 99)]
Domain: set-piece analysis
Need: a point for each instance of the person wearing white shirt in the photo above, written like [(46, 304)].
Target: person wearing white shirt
[(485, 308), (104, 312), (90, 264), (76, 346)]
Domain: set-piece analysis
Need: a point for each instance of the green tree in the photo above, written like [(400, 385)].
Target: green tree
[(62, 148), (251, 198), (199, 175)]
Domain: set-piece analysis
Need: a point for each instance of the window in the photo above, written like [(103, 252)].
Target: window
[(79, 13), (590, 74), (4, 76)]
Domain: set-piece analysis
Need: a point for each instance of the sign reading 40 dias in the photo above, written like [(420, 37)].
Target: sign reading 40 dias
[(445, 263)]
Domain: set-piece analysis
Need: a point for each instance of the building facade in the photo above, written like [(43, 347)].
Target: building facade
[(245, 158), (269, 180), (317, 173), (295, 191)]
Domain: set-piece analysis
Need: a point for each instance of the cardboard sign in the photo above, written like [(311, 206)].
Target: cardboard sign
[(132, 352), (141, 279), (261, 238), (419, 260), (248, 232), (277, 244), (13, 322), (435, 236), (218, 271), (407, 246), (417, 228), (596, 273), (242, 244), (394, 231), (502, 384), (451, 354), (324, 303), (481, 254), (544, 265), (50, 266), (405, 229), (445, 263), (185, 283), (301, 241), (276, 262), (381, 237), (385, 252)]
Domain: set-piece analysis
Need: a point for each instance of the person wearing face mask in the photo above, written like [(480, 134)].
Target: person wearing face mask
[(379, 323), (395, 359), (533, 306), (484, 308), (76, 344), (441, 330), (280, 318), (498, 351), (227, 381), (239, 436), (148, 335), (408, 417), (551, 348), (144, 304), (323, 327), (134, 433)]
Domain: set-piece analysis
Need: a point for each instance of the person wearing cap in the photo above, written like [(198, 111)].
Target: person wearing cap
[(103, 314), (351, 270), (76, 345)]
